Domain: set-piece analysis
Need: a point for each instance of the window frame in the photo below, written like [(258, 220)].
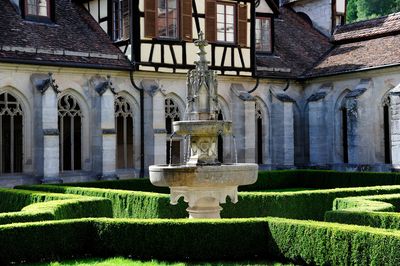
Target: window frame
[(235, 21), (117, 19), (270, 17), (178, 21), (50, 6)]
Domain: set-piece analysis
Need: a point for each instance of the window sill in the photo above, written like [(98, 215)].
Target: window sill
[(39, 19)]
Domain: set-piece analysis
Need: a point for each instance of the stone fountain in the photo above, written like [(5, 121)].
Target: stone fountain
[(202, 181)]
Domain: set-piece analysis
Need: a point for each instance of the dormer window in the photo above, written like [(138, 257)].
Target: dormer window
[(339, 13), (40, 8), (264, 34)]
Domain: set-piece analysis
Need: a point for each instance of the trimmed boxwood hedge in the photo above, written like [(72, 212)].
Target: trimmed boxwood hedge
[(49, 206), (376, 211), (324, 179), (268, 180), (125, 204), (297, 205), (302, 242)]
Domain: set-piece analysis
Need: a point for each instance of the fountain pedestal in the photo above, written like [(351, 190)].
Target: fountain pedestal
[(202, 181)]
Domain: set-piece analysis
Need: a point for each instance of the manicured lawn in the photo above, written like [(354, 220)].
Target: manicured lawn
[(129, 262)]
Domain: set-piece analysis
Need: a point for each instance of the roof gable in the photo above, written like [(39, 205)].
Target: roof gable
[(74, 38)]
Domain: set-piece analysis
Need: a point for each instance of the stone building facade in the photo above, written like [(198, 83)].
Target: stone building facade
[(300, 91)]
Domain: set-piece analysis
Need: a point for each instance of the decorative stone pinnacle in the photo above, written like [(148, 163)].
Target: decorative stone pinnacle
[(201, 43)]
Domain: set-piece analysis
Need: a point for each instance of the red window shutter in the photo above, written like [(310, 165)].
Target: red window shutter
[(211, 21), (126, 22), (150, 18), (242, 25), (186, 20)]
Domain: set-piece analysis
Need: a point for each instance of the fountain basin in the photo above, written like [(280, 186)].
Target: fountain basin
[(202, 127), (203, 187), (203, 175)]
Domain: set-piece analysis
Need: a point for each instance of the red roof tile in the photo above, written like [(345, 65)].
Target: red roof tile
[(368, 29), (74, 38), (297, 47)]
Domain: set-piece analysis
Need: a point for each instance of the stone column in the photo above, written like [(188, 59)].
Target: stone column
[(244, 123), (395, 127), (282, 123), (250, 129), (109, 138), (318, 140), (49, 121), (107, 125), (154, 124)]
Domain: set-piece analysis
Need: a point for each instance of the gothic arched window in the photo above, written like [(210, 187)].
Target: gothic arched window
[(220, 143), (259, 135), (124, 127), (173, 145), (386, 130), (70, 127), (345, 145), (11, 137)]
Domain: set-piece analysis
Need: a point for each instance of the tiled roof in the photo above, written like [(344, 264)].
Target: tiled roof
[(361, 55), (298, 46), (74, 39), (369, 44), (368, 29)]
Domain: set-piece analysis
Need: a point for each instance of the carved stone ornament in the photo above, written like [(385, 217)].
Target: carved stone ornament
[(101, 85), (42, 83), (317, 96)]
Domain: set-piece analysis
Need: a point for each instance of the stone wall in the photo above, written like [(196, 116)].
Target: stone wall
[(363, 94)]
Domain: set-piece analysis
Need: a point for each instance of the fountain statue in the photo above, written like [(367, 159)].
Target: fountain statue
[(202, 181)]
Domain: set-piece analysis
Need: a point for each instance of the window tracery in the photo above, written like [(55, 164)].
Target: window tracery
[(70, 127), (11, 137)]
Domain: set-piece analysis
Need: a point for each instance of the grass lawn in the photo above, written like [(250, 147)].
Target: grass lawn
[(129, 262)]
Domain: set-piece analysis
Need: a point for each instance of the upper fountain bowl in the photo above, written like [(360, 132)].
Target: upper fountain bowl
[(202, 127)]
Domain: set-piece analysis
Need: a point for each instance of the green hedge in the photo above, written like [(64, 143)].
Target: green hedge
[(137, 184), (12, 200), (49, 206), (268, 180), (296, 205), (376, 211), (205, 240), (320, 179), (125, 204), (307, 205)]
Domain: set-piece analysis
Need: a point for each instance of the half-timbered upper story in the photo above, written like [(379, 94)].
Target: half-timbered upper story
[(243, 35), (159, 35)]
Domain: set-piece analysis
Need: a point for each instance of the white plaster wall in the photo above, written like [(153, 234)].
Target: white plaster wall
[(319, 11)]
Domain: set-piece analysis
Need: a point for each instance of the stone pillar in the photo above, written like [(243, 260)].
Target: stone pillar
[(109, 139), (359, 128), (49, 122), (318, 135), (107, 124), (395, 127), (51, 139), (250, 129), (282, 123), (154, 124), (244, 123)]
